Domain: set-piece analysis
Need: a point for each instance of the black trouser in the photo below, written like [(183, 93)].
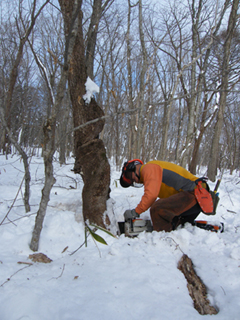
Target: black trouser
[(187, 216)]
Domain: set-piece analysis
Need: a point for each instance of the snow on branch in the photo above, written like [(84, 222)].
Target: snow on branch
[(91, 88)]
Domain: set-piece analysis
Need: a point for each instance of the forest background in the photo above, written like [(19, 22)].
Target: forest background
[(158, 103), (167, 72)]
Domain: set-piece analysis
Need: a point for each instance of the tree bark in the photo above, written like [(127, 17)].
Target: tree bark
[(203, 87), (98, 9), (197, 289), (197, 142), (27, 176), (90, 154), (132, 132), (142, 86), (214, 152), (6, 118), (14, 72), (49, 130), (192, 91), (49, 139)]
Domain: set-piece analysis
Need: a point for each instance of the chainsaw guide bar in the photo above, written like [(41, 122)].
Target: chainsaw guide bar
[(132, 228)]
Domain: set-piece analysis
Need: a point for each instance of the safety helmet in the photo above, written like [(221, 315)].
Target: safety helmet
[(128, 168)]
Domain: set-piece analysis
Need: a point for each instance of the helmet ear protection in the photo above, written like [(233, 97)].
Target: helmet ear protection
[(128, 167)]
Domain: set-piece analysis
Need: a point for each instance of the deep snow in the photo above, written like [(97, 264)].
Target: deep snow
[(127, 279)]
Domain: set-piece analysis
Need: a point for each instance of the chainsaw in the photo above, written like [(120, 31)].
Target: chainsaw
[(132, 227)]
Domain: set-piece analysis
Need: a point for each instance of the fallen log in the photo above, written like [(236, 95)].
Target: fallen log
[(197, 289)]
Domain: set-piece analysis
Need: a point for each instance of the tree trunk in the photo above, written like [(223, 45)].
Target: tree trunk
[(27, 176), (91, 160), (14, 72), (49, 137), (214, 152), (142, 85), (198, 139), (203, 87), (132, 132), (97, 11), (192, 92), (92, 36), (49, 130), (6, 119)]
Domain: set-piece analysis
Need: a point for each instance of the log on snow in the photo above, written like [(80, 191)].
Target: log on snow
[(197, 289)]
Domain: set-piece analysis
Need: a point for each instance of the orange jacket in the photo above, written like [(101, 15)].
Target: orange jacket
[(163, 179)]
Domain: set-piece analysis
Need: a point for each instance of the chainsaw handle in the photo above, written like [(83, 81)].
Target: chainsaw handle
[(131, 224), (217, 185)]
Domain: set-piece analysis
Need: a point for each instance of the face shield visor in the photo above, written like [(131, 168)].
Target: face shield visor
[(127, 179), (137, 184)]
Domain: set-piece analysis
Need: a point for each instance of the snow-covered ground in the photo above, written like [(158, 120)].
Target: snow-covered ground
[(126, 279)]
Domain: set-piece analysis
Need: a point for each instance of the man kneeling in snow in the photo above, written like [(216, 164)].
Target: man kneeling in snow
[(182, 195)]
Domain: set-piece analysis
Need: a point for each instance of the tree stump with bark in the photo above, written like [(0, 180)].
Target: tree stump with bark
[(90, 154), (92, 164), (197, 289)]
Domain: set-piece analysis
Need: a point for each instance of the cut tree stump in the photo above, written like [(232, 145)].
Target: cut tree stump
[(197, 289)]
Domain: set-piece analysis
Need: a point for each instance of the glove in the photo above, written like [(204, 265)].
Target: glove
[(203, 179), (130, 214)]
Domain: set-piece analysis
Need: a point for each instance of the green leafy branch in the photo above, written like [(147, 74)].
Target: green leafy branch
[(96, 237)]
